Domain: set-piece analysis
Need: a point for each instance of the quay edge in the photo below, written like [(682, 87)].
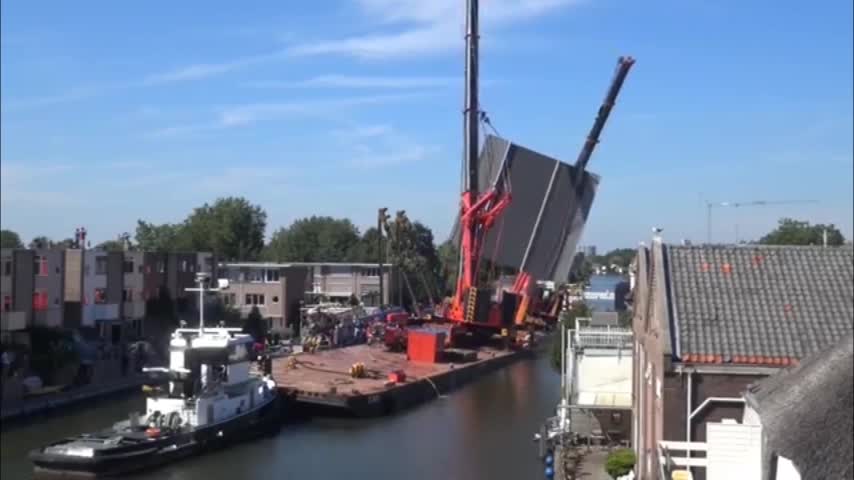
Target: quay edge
[(364, 400)]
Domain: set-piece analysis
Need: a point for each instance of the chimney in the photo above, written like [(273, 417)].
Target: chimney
[(824, 237)]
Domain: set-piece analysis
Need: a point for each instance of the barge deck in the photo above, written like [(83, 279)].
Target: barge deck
[(321, 381)]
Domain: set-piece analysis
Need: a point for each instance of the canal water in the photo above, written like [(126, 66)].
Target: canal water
[(603, 283), (481, 431)]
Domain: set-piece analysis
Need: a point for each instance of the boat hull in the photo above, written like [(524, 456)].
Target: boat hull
[(157, 452)]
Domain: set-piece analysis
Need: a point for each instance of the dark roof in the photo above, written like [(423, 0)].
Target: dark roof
[(758, 304), (541, 187), (806, 412)]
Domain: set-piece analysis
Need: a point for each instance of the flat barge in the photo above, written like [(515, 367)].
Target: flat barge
[(321, 383)]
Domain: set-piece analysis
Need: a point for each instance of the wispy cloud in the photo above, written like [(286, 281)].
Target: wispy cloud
[(180, 74), (406, 155), (205, 70), (365, 131), (21, 184), (417, 27), (351, 81), (13, 173), (243, 115), (374, 146)]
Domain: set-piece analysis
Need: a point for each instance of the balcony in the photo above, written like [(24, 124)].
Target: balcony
[(10, 321)]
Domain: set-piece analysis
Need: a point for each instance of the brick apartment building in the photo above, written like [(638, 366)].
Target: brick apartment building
[(93, 289), (709, 321), (278, 288)]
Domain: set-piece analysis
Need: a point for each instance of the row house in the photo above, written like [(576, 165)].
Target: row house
[(94, 289), (278, 288), (31, 286), (709, 321)]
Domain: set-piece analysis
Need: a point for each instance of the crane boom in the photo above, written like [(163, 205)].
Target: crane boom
[(623, 66)]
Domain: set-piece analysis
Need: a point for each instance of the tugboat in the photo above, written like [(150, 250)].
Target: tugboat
[(206, 398)]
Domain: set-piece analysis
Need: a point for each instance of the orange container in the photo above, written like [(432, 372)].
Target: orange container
[(425, 345)]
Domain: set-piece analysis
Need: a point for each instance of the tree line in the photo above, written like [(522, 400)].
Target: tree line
[(234, 230)]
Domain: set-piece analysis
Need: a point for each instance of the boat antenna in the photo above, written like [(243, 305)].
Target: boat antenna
[(202, 279)]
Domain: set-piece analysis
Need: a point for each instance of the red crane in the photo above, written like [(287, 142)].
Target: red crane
[(480, 210)]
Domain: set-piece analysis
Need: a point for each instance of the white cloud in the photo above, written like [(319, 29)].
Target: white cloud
[(365, 131), (406, 155), (374, 146), (205, 70), (352, 81), (424, 27), (243, 115)]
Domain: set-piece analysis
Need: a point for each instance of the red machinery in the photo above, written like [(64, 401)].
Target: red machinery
[(472, 307)]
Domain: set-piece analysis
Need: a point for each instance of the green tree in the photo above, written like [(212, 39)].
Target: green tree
[(369, 248), (620, 462), (65, 244), (796, 232), (111, 246), (566, 321), (449, 258), (582, 269), (40, 243), (622, 257), (160, 313), (10, 239), (255, 324), (315, 239), (167, 237), (232, 228)]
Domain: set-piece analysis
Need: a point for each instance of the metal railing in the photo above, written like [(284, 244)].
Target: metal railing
[(602, 337)]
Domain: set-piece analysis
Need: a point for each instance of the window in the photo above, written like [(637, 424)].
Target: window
[(370, 272), (275, 299), (101, 266), (128, 266), (272, 276), (7, 303), (7, 267), (255, 275), (100, 295), (142, 269), (127, 295), (254, 299), (40, 264), (40, 300)]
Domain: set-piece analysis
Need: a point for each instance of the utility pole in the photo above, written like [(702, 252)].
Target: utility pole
[(381, 219), (755, 203)]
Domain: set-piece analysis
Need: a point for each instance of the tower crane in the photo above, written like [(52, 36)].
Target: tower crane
[(753, 203)]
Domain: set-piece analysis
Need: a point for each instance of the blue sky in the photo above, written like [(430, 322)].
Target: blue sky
[(115, 111)]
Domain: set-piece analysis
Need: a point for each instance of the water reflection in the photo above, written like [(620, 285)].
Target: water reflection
[(482, 431)]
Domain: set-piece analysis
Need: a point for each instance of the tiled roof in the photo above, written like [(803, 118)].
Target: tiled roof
[(759, 304), (806, 412)]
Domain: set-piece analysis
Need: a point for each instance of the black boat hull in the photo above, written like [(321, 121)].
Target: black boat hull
[(124, 460)]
